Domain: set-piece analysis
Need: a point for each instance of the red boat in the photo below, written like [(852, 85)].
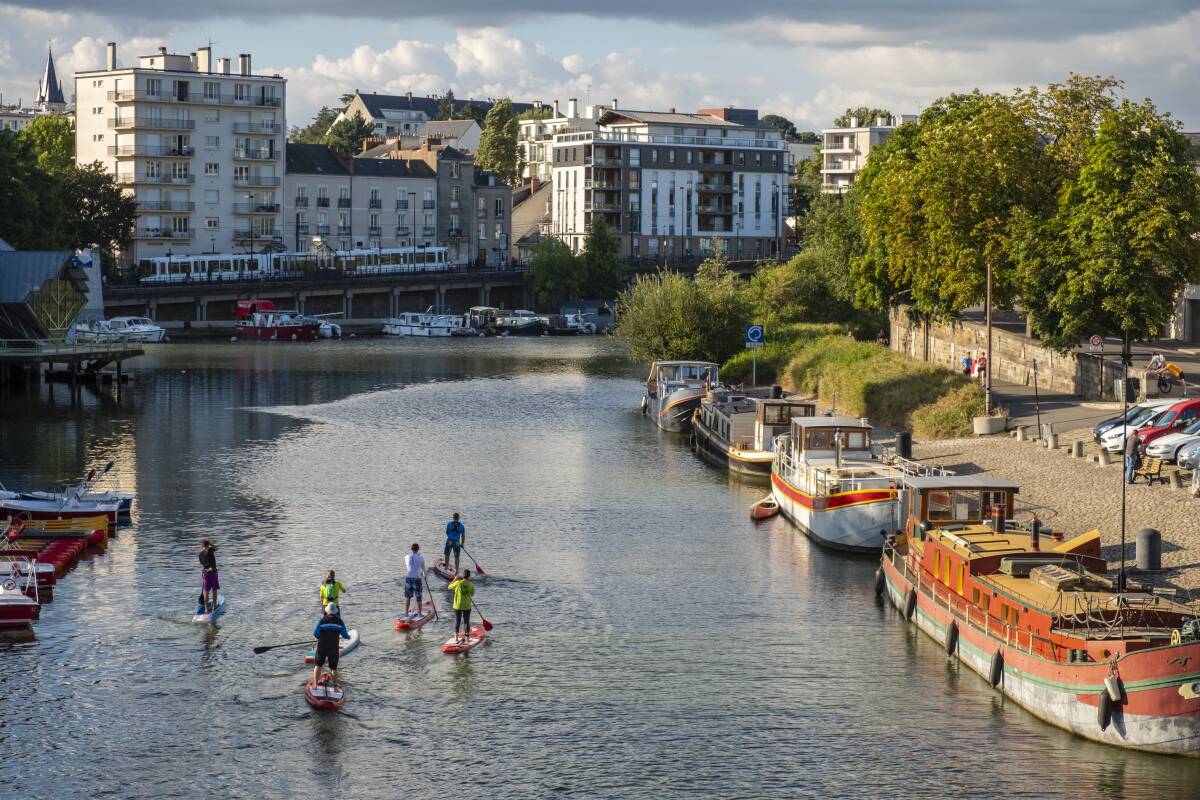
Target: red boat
[(1038, 619), (17, 608), (259, 319)]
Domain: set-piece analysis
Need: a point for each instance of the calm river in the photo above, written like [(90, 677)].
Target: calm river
[(650, 640)]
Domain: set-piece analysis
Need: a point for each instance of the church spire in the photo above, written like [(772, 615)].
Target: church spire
[(50, 93)]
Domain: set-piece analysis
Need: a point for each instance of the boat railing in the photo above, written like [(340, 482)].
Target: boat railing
[(910, 468)]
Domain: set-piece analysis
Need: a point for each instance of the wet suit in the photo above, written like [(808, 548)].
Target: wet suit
[(328, 633)]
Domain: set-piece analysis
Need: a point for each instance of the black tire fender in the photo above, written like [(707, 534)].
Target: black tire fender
[(880, 582), (952, 638), (1104, 710), (910, 604), (996, 670)]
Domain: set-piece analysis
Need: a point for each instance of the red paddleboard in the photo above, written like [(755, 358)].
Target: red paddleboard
[(416, 619), (475, 637), (442, 569), (326, 696)]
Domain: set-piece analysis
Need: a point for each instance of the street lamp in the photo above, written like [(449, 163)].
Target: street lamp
[(250, 221)]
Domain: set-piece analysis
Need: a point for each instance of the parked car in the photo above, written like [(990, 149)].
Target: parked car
[(1173, 420), (1189, 456), (1113, 440), (1130, 413), (1169, 446)]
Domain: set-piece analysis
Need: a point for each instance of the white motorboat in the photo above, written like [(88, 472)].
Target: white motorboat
[(434, 322), (95, 331), (137, 329)]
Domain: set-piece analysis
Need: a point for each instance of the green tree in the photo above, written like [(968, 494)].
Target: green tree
[(346, 136), (783, 123), (805, 186), (30, 197), (97, 213), (1124, 238), (498, 152), (315, 131), (864, 115), (472, 111), (51, 138), (603, 274), (536, 113), (445, 107), (808, 137), (555, 273)]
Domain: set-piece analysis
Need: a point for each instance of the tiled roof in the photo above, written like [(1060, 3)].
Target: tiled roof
[(378, 103), (313, 159), (665, 118), (392, 168)]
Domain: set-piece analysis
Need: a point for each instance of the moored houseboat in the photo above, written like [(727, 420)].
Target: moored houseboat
[(828, 480), (259, 319), (674, 390), (1038, 618), (436, 322), (738, 433)]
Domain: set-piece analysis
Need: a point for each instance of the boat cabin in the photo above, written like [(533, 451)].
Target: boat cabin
[(667, 376), (773, 417), (831, 437), (962, 499)]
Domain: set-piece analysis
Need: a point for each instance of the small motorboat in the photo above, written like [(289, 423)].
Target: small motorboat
[(473, 639), (17, 608), (64, 508), (347, 646), (325, 696), (414, 620), (764, 509), (260, 319)]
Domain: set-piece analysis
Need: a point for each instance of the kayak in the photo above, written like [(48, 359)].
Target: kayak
[(442, 569), (410, 622), (348, 646), (325, 696), (475, 638), (202, 616)]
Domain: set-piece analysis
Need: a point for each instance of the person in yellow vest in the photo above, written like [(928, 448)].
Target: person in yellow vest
[(464, 596), (331, 590)]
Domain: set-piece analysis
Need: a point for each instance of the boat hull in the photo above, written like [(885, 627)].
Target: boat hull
[(534, 328), (674, 412), (281, 333), (712, 449), (42, 509), (1159, 710), (855, 521)]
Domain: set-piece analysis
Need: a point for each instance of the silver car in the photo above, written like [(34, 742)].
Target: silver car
[(1189, 456)]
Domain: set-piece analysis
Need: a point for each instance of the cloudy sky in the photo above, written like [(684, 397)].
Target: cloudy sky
[(805, 60)]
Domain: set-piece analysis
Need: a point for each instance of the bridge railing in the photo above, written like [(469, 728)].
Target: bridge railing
[(370, 274)]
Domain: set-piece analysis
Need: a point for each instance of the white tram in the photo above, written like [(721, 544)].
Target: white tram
[(249, 266)]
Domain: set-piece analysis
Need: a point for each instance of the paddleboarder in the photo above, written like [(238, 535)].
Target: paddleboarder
[(464, 595), (329, 632), (210, 583), (456, 537), (414, 579), (331, 590)]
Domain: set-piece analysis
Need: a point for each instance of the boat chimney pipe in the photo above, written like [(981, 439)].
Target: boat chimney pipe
[(837, 448), (999, 524), (1035, 533)]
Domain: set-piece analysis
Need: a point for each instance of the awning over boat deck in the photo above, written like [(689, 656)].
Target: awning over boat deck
[(828, 422), (960, 482)]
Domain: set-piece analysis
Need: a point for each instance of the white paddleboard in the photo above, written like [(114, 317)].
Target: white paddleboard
[(348, 646), (202, 616)]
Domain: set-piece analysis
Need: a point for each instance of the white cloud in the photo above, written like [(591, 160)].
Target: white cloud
[(573, 63)]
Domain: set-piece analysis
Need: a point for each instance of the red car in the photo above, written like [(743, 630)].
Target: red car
[(1175, 418)]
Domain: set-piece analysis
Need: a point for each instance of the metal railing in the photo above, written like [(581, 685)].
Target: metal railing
[(255, 208), (659, 138), (245, 235), (343, 202), (401, 205), (375, 231), (151, 150), (301, 202), (403, 232), (344, 230), (428, 204), (128, 177), (257, 180), (322, 202), (165, 205), (162, 233), (155, 123), (252, 154), (265, 128), (131, 95), (428, 231)]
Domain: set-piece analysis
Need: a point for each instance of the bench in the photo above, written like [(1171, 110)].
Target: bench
[(1151, 468)]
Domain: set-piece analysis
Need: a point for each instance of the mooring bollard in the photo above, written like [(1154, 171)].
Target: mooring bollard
[(1020, 432), (1174, 479), (1052, 442), (1077, 449), (1149, 550), (1102, 458)]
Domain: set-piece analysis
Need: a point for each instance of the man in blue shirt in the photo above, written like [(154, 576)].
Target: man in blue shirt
[(329, 632), (456, 537)]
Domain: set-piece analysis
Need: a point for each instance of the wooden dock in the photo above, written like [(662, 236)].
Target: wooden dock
[(82, 362)]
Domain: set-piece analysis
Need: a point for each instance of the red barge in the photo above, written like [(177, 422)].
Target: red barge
[(1040, 621), (259, 319)]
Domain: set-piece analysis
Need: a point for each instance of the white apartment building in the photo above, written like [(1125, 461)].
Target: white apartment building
[(199, 145), (536, 136), (671, 185), (844, 151)]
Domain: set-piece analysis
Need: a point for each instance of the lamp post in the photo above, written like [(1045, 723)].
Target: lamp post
[(250, 221), (412, 203)]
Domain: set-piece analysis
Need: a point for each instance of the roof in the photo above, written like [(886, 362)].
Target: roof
[(485, 180), (392, 168), (829, 422), (24, 271), (623, 117), (50, 89), (378, 103), (449, 128), (684, 364), (313, 159), (961, 482)]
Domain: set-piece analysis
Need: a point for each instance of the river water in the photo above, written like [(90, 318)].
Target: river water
[(650, 640)]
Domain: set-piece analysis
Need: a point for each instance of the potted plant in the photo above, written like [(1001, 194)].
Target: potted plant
[(993, 423)]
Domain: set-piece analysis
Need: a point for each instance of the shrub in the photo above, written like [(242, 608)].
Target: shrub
[(951, 415), (783, 341)]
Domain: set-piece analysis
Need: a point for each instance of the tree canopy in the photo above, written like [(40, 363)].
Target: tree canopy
[(783, 123), (52, 137), (315, 131), (555, 273), (864, 114), (603, 273), (346, 136), (498, 152)]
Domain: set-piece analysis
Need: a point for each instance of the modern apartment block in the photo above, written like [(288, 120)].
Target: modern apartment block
[(198, 144), (671, 185), (406, 114), (536, 136), (844, 151)]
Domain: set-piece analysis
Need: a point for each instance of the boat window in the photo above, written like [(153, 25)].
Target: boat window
[(954, 505), (775, 415), (962, 576), (856, 440), (820, 439)]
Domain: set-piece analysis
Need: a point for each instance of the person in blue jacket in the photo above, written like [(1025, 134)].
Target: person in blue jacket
[(456, 538), (329, 632)]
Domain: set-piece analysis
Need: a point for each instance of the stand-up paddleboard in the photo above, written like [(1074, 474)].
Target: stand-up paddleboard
[(443, 570), (326, 696), (209, 616), (348, 646), (475, 637), (415, 619)]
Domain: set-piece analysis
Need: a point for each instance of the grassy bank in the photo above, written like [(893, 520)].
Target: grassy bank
[(781, 347), (868, 380)]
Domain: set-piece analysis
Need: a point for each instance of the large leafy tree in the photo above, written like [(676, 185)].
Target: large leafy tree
[(603, 274), (864, 114), (97, 213), (1124, 238), (315, 131), (445, 107), (51, 138), (498, 152), (347, 135), (783, 123), (555, 273)]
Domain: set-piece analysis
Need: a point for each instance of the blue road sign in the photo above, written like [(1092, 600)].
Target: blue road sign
[(755, 334)]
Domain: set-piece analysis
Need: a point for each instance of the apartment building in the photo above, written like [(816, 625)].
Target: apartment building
[(844, 151), (198, 144), (536, 136), (673, 185), (407, 114)]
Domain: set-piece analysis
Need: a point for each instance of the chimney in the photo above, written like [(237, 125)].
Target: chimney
[(854, 122), (244, 63), (671, 110), (162, 51), (204, 59), (880, 122), (556, 109), (614, 105), (110, 55), (573, 107), (223, 66), (192, 56), (408, 95)]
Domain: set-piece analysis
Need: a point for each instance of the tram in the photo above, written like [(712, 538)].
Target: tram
[(206, 267)]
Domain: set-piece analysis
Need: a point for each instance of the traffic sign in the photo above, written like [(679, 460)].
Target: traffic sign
[(1096, 344), (755, 334)]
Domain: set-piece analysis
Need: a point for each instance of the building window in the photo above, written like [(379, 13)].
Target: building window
[(153, 87), (344, 193), (212, 223), (635, 156), (758, 159), (179, 224), (454, 191), (212, 115), (212, 169), (481, 206), (455, 224), (153, 169), (241, 172), (323, 191), (498, 231), (499, 208), (374, 223), (689, 156), (429, 220), (212, 195), (671, 156), (212, 90), (483, 231), (301, 218), (454, 169), (241, 92), (301, 190), (654, 155), (212, 142), (428, 198)]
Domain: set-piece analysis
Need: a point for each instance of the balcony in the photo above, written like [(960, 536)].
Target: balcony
[(601, 206), (177, 180), (343, 202), (428, 232), (263, 181), (322, 202), (375, 231), (253, 154), (499, 214), (164, 205), (261, 128), (322, 230), (428, 205), (455, 233), (374, 202), (256, 208), (711, 208), (403, 233), (343, 230), (301, 202), (302, 230), (141, 95), (153, 123), (714, 187), (453, 205), (839, 166), (127, 150), (162, 233), (253, 235), (838, 146), (402, 205)]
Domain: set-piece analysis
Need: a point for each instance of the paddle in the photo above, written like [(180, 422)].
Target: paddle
[(478, 568), (431, 603), (487, 626), (259, 650)]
